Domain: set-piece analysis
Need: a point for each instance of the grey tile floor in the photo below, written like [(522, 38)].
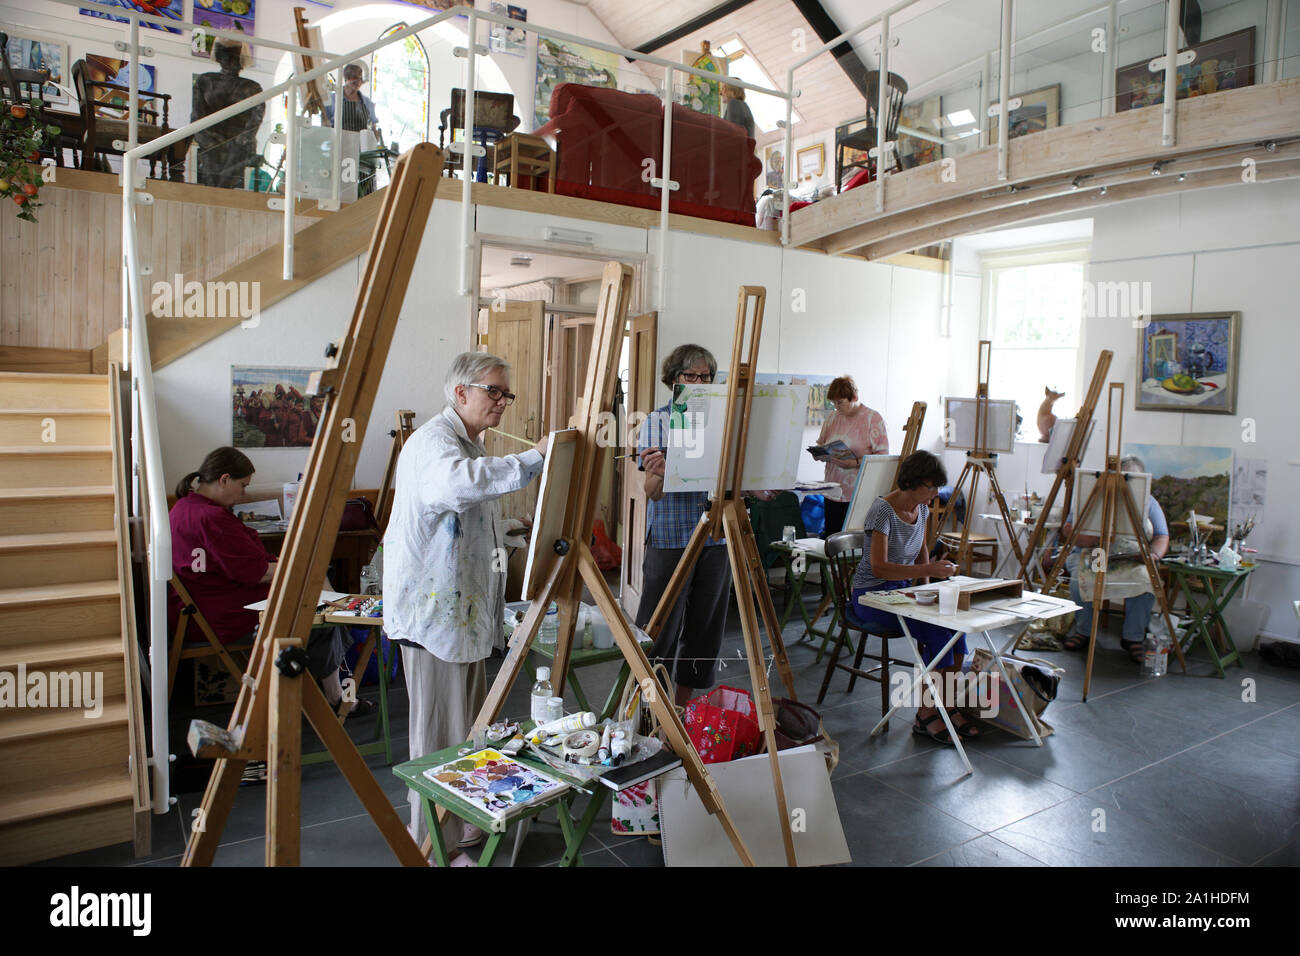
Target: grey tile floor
[(1187, 770)]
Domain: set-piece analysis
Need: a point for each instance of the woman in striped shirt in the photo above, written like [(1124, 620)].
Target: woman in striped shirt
[(893, 556)]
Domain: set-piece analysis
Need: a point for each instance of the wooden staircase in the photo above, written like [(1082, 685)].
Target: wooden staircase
[(73, 777)]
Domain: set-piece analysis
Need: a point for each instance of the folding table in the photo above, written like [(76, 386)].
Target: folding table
[(1211, 605), (980, 619)]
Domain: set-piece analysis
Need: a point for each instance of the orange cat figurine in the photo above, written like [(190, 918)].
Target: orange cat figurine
[(1046, 420)]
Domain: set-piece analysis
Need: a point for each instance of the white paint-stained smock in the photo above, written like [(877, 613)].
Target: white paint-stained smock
[(442, 588)]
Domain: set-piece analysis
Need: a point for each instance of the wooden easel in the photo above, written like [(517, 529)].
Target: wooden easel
[(308, 36), (1111, 491), (384, 504), (727, 518), (576, 566), (1069, 464), (978, 461), (267, 722)]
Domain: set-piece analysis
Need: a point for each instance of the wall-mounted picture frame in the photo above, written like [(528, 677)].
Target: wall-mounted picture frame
[(1223, 63), (36, 51), (1039, 109), (811, 161), (925, 117), (774, 165), (1189, 362)]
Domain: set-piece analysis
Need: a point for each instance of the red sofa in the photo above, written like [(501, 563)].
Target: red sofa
[(601, 138)]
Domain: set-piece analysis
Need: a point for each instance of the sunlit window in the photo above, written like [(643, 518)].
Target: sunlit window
[(400, 88), (744, 66), (1035, 318)]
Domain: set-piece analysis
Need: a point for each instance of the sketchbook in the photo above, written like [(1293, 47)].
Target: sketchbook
[(494, 783)]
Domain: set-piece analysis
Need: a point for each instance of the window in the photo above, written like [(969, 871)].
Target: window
[(400, 88), (744, 66), (1035, 322)]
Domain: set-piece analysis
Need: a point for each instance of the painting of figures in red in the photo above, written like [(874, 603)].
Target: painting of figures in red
[(270, 407)]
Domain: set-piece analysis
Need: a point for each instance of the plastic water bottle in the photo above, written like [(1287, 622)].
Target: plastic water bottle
[(550, 632), (1162, 655), (541, 696), (1151, 656), (369, 579)]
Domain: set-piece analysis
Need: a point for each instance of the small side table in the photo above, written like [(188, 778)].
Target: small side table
[(527, 155), (1207, 605), (795, 592)]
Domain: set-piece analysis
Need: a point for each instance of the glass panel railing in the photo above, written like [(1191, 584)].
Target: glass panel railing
[(714, 162), (1290, 45), (1227, 43), (1058, 69)]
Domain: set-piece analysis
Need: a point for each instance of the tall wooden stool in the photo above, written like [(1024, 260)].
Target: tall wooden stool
[(524, 154)]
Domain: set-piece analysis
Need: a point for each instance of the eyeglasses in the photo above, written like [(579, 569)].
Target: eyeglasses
[(696, 378), (496, 394)]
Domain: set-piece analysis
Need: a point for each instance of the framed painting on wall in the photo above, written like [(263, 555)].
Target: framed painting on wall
[(168, 9), (1038, 110), (811, 160), (925, 117), (1224, 63), (31, 51), (111, 104), (774, 165), (237, 16), (1188, 363), (270, 407), (559, 61)]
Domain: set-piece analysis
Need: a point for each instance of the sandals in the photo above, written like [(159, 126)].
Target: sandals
[(1134, 649), (934, 727), (1075, 642)]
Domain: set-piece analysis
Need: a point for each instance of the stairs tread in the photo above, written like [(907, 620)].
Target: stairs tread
[(61, 653), (55, 539), (53, 448), (65, 491), (65, 792), (45, 722), (16, 597)]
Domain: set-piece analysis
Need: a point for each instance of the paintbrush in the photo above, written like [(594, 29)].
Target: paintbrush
[(525, 441)]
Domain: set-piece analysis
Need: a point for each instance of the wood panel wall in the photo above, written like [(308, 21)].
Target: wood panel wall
[(60, 279)]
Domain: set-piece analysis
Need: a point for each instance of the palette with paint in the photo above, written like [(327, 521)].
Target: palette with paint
[(494, 782)]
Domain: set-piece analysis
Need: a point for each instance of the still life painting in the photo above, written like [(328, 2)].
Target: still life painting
[(1188, 363)]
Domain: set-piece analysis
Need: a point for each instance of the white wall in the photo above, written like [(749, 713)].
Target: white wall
[(1233, 248)]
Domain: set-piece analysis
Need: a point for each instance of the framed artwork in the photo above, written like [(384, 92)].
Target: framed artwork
[(35, 52), (1224, 63), (169, 9), (811, 161), (699, 94), (559, 61), (924, 116), (1187, 478), (774, 165), (1188, 363), (270, 407), (112, 104), (1038, 110), (237, 16)]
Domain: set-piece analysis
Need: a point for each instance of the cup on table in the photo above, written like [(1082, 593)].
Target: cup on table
[(787, 534), (948, 598)]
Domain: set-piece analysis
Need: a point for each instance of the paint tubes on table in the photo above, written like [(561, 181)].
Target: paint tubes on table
[(603, 752)]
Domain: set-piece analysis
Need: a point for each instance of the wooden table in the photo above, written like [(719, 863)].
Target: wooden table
[(523, 153), (1209, 607)]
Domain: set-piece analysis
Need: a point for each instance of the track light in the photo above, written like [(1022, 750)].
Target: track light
[(1157, 169), (1182, 177), (1101, 191)]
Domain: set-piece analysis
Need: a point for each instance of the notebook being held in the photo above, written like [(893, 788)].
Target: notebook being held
[(833, 451)]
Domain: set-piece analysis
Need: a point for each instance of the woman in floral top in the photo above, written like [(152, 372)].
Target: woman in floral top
[(863, 430)]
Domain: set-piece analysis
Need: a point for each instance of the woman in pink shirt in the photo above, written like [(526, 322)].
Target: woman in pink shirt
[(863, 430)]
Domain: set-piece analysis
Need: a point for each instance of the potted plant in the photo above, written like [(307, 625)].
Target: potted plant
[(21, 135)]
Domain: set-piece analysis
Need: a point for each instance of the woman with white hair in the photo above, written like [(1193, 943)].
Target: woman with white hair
[(1126, 576), (444, 580)]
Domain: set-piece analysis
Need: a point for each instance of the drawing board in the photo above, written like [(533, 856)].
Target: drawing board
[(1138, 485), (960, 412), (1059, 443), (696, 422), (875, 478), (552, 506)]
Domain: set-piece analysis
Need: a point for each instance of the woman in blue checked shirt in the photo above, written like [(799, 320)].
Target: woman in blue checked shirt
[(692, 635)]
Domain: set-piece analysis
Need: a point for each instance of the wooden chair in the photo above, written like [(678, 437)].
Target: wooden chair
[(99, 133), (864, 140), (20, 85), (844, 550), (493, 119), (980, 549), (212, 646)]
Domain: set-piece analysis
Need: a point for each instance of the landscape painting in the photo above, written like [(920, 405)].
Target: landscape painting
[(1187, 478)]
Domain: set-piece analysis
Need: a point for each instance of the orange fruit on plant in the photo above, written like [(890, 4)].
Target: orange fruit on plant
[(19, 198), (18, 111), (29, 189)]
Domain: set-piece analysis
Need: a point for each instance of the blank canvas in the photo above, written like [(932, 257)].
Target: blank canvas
[(552, 504), (875, 478), (1085, 479), (1001, 423)]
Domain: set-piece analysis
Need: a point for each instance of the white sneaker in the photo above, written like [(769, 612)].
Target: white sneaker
[(470, 835)]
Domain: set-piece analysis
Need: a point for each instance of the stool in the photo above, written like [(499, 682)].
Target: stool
[(523, 153), (211, 648), (980, 549)]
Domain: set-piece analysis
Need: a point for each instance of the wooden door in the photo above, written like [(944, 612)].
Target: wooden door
[(515, 333), (640, 402)]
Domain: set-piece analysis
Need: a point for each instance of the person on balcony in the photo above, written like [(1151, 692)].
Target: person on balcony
[(223, 565), (736, 110), (862, 429), (358, 109), (229, 147)]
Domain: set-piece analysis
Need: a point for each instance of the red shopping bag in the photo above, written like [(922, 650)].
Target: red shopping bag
[(723, 725)]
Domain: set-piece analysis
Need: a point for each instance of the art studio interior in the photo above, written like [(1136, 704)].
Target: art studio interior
[(578, 432)]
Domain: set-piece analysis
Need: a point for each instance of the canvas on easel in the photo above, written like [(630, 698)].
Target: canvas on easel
[(551, 510)]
